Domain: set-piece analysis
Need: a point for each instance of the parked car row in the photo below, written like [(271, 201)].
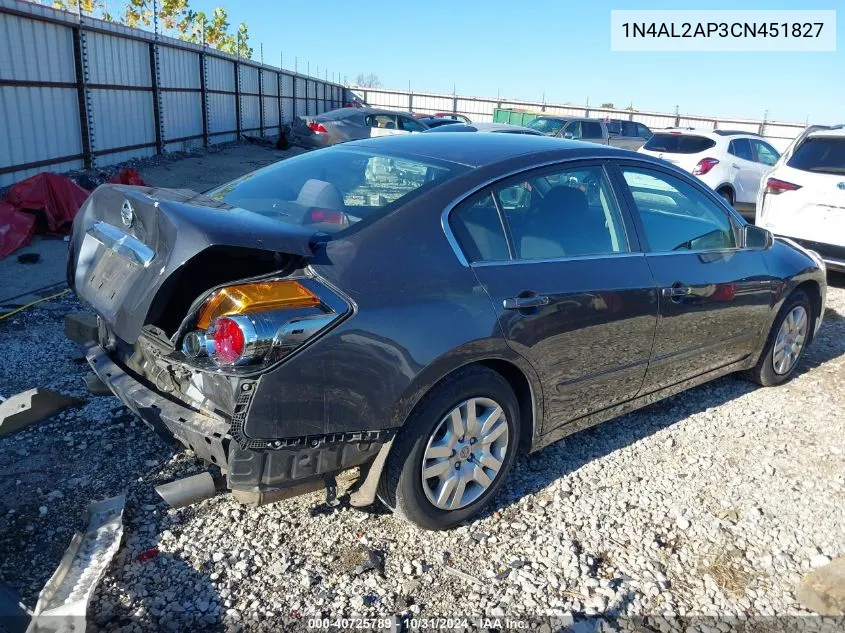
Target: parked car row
[(602, 131)]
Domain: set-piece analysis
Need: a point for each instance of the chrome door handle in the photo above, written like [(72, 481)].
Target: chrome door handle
[(523, 303), (676, 291)]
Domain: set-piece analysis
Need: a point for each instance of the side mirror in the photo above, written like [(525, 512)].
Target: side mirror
[(568, 135), (756, 238)]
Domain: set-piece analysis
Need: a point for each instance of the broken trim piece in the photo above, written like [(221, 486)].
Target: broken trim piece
[(63, 601)]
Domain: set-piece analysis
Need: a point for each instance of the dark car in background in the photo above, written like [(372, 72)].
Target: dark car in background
[(432, 122), (351, 124), (585, 129), (637, 133), (500, 128), (427, 307)]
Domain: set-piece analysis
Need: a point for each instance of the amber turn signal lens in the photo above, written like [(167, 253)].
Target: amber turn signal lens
[(256, 297)]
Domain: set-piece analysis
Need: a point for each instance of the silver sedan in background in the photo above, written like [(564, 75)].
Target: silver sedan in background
[(351, 124)]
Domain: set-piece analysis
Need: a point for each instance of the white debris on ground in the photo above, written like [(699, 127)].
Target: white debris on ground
[(716, 501)]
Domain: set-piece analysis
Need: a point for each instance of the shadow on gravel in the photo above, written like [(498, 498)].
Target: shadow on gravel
[(535, 472), (164, 593)]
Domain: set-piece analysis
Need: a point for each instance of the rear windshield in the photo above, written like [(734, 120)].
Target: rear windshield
[(333, 190), (678, 143), (546, 126), (822, 155)]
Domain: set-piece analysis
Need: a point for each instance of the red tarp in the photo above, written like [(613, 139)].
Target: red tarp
[(57, 197), (16, 229), (128, 177)]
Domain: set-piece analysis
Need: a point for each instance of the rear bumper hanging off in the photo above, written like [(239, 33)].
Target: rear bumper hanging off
[(252, 472)]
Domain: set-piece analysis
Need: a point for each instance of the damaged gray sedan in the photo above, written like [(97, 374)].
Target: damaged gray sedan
[(426, 307)]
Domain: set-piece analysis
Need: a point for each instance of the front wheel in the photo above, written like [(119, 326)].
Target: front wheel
[(786, 342), (454, 451)]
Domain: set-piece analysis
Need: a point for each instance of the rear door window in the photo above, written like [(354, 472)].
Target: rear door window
[(591, 130), (741, 148), (821, 155), (678, 143), (477, 226), (629, 128), (643, 131)]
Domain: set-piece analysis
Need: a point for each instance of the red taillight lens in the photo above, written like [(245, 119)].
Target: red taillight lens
[(229, 342), (775, 186), (317, 128), (704, 165), (325, 216)]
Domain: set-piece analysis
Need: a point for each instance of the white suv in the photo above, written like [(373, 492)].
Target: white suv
[(732, 163), (804, 195)]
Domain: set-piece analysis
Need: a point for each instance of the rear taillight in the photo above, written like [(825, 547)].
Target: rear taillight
[(317, 128), (704, 165), (775, 186), (258, 324), (325, 216), (229, 341)]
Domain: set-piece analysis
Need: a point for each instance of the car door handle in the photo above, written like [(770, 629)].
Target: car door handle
[(523, 303), (735, 166), (676, 291)]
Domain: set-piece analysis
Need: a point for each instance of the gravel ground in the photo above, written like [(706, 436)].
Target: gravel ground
[(716, 502)]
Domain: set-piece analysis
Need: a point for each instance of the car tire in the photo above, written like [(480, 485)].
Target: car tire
[(402, 487), (767, 372), (727, 195)]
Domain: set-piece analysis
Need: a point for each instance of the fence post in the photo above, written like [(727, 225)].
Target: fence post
[(204, 98), (261, 102), (237, 100), (410, 102), (156, 96), (80, 58), (677, 117), (279, 97)]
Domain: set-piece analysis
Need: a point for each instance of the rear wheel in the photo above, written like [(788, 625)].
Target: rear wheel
[(786, 343), (454, 451)]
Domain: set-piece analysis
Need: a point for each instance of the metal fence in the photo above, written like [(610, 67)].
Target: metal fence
[(79, 92), (481, 109)]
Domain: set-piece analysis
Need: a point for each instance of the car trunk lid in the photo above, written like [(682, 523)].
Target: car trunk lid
[(128, 242)]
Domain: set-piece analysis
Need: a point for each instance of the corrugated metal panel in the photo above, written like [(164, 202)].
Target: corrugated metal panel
[(118, 61), (271, 113), (122, 118), (183, 146), (287, 85), (121, 157), (221, 74), (181, 114), (178, 68), (287, 109), (221, 114), (249, 79), (13, 177), (250, 117), (35, 51), (37, 124), (270, 82), (433, 104)]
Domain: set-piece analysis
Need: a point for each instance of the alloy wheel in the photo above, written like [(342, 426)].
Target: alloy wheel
[(465, 453), (790, 340)]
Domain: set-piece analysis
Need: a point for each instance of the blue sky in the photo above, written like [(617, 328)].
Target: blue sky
[(543, 47)]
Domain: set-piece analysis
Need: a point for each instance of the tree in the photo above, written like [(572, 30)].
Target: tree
[(367, 81), (176, 19)]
